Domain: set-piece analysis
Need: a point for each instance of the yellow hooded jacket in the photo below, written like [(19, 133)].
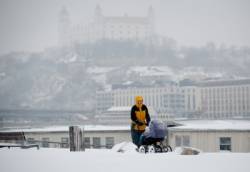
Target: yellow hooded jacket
[(139, 115)]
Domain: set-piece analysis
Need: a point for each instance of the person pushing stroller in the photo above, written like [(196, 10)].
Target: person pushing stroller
[(140, 118)]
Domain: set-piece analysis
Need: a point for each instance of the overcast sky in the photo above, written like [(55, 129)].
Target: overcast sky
[(31, 25)]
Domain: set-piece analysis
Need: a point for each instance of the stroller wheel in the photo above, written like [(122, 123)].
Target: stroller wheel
[(158, 148), (151, 149), (167, 149), (142, 149)]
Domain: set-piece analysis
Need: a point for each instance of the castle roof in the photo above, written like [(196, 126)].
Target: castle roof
[(126, 19)]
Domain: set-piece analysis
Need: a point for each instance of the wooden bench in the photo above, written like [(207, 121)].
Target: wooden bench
[(15, 139)]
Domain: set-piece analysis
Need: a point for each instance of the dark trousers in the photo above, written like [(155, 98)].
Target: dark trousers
[(135, 134)]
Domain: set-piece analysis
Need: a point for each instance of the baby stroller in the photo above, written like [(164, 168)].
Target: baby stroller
[(154, 138)]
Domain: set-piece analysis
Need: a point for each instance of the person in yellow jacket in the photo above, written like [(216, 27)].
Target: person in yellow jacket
[(140, 118)]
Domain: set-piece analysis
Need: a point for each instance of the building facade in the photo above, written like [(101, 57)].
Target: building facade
[(225, 99), (212, 136), (104, 100), (93, 136), (120, 115), (165, 101), (192, 101), (208, 100), (208, 136), (217, 99)]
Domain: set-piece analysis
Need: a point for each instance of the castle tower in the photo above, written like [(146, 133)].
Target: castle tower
[(97, 30), (151, 19), (150, 37), (64, 26), (98, 14)]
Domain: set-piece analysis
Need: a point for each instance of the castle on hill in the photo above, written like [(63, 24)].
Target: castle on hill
[(103, 27)]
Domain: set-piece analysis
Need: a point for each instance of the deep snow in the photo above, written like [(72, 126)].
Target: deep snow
[(61, 160)]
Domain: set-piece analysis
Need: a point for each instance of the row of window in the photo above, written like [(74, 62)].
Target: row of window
[(226, 89), (230, 109), (212, 115), (151, 99), (225, 101), (148, 91), (96, 142), (235, 98), (225, 142)]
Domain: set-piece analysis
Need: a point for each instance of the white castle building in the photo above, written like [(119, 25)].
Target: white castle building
[(106, 27)]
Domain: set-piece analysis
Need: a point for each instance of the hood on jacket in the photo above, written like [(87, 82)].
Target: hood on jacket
[(137, 99)]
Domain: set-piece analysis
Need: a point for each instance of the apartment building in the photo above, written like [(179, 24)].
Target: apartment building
[(212, 135), (164, 100), (225, 99), (206, 135)]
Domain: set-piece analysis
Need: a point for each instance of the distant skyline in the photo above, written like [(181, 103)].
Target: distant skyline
[(31, 25)]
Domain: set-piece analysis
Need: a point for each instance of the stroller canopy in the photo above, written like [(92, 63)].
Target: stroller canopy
[(157, 129)]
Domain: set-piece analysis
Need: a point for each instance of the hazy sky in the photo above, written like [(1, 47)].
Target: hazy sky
[(31, 25)]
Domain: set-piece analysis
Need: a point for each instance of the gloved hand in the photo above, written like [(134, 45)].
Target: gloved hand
[(139, 123)]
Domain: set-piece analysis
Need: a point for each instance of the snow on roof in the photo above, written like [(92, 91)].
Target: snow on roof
[(99, 70), (66, 128), (120, 108), (151, 110), (237, 125), (126, 19), (151, 70), (213, 125)]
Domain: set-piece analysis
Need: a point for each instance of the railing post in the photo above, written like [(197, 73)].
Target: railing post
[(83, 141), (75, 138)]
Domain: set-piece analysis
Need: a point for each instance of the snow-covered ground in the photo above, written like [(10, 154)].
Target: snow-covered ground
[(93, 160)]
